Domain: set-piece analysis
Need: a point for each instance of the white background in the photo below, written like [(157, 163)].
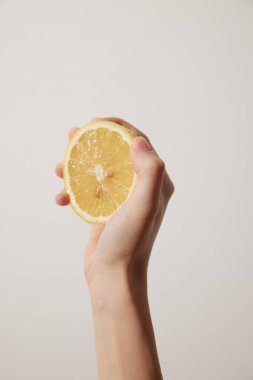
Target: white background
[(182, 72)]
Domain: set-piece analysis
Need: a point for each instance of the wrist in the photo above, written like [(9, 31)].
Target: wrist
[(110, 287)]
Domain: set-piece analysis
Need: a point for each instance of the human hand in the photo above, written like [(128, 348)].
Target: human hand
[(126, 240)]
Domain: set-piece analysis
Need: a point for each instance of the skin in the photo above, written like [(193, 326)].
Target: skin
[(115, 268)]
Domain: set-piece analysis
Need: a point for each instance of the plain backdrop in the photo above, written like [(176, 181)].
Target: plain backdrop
[(182, 72)]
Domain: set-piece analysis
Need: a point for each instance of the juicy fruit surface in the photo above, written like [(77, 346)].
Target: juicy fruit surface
[(98, 172)]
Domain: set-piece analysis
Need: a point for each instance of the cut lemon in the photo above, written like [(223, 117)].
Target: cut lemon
[(98, 174)]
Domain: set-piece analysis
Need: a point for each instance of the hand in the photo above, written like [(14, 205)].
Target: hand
[(126, 240)]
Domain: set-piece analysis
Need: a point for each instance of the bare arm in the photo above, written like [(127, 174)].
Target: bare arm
[(125, 341), (116, 262)]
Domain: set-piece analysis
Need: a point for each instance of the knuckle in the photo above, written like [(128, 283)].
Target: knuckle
[(167, 194), (156, 167), (170, 189)]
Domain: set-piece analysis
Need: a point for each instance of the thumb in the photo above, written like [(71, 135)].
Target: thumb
[(150, 171)]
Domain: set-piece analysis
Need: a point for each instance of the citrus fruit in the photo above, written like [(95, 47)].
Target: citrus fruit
[(97, 170)]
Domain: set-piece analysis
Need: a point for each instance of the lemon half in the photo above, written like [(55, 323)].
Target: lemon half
[(98, 173)]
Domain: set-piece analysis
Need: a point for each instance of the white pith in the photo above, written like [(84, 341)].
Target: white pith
[(100, 173)]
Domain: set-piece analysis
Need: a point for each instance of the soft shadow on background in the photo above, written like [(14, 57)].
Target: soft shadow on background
[(182, 72)]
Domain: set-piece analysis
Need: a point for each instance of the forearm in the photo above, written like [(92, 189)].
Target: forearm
[(124, 336)]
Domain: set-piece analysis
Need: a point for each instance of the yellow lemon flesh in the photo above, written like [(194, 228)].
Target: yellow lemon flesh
[(98, 174)]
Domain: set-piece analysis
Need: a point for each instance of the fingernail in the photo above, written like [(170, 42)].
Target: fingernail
[(141, 144)]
